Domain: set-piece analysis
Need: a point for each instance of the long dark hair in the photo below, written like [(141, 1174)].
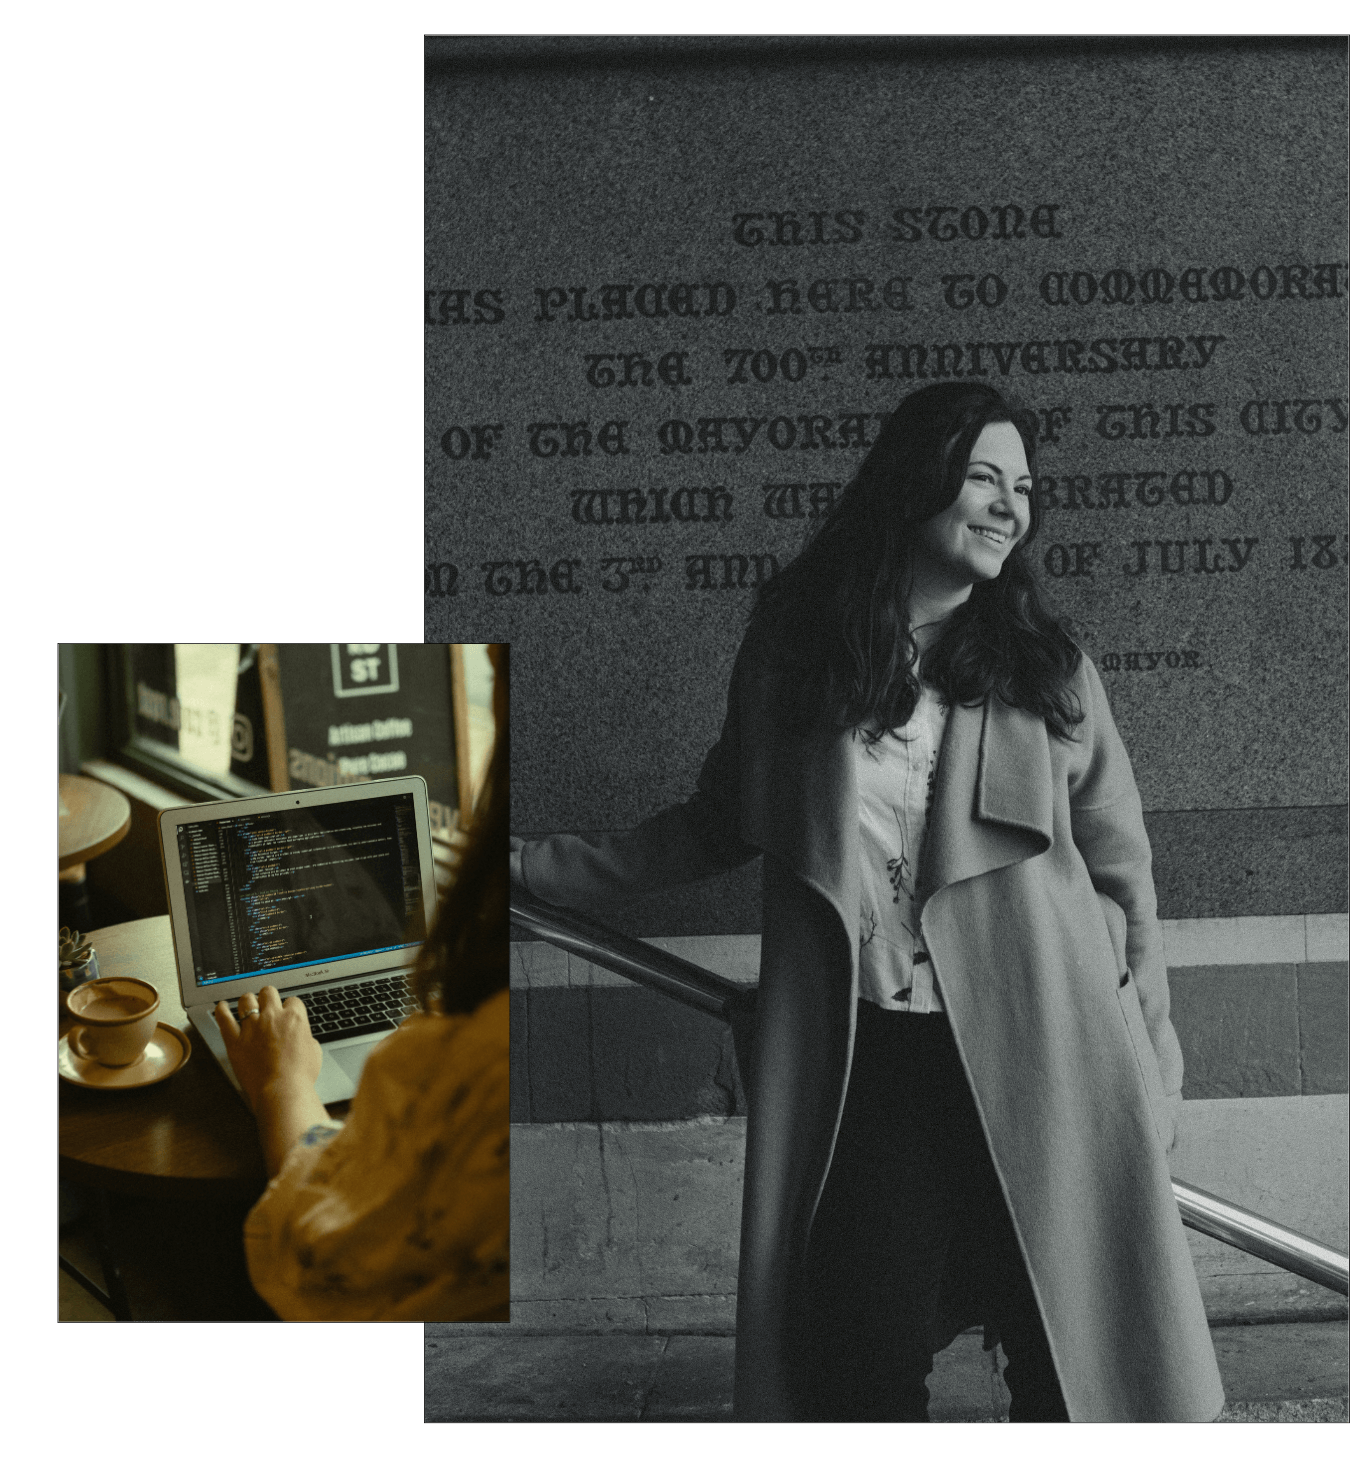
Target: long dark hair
[(841, 608), (464, 960)]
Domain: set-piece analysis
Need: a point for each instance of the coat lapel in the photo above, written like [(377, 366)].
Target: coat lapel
[(993, 803), (804, 811), (994, 799)]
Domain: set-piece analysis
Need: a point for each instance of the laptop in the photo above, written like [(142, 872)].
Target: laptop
[(328, 893)]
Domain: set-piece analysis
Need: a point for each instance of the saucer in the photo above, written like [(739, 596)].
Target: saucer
[(166, 1052)]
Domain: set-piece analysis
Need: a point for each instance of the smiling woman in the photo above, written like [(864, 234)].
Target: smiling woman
[(964, 1078), (968, 542)]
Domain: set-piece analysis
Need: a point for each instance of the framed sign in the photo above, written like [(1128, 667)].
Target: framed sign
[(223, 720), (342, 713)]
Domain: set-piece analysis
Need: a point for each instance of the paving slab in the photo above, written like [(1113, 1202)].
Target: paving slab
[(1290, 1372), (1311, 1410), (540, 1377), (1287, 1362)]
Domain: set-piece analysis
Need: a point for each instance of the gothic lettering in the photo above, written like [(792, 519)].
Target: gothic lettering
[(463, 306), (1152, 352), (736, 570), (1149, 660), (1225, 284), (570, 304), (1293, 417)]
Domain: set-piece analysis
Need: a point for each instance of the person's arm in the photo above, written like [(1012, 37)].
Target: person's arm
[(1108, 828), (284, 1111), (682, 843)]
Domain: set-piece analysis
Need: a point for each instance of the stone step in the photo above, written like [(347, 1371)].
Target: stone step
[(1285, 1372)]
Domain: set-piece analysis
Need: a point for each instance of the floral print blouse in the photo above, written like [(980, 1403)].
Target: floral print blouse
[(896, 781), (402, 1212)]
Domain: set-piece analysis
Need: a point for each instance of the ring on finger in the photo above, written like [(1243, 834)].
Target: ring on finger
[(249, 1012)]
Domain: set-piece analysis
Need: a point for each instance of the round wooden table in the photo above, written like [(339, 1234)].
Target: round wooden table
[(188, 1138), (91, 818)]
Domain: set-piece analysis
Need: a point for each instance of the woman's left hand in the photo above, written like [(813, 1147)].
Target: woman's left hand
[(270, 1046), (1174, 1106)]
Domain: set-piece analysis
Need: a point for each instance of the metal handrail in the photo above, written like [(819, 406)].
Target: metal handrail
[(1258, 1236), (696, 987)]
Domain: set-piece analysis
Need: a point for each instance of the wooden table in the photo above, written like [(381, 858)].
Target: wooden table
[(92, 817), (190, 1137)]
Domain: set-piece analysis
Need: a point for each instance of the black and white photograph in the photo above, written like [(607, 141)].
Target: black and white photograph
[(910, 473)]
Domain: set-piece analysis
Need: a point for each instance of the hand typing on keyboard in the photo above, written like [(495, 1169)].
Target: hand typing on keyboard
[(269, 1042), (275, 1053), (373, 1006)]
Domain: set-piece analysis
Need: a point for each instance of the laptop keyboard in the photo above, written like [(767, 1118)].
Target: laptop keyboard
[(375, 1006)]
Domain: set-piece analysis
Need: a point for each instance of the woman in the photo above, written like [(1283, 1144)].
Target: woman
[(964, 1080), (401, 1213)]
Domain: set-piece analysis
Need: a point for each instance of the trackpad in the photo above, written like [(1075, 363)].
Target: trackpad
[(351, 1059), (335, 1085)]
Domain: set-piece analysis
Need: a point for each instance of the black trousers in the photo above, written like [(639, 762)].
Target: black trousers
[(912, 1204)]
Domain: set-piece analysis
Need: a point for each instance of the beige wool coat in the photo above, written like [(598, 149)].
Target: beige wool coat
[(1040, 917)]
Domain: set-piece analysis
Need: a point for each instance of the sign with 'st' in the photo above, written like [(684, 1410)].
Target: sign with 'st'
[(364, 668)]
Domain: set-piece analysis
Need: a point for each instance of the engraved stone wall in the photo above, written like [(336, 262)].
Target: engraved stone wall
[(671, 298)]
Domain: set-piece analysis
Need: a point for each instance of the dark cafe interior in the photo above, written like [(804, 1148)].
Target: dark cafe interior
[(283, 1040)]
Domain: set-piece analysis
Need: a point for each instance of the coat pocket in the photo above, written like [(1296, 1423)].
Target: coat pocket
[(1146, 1058), (1116, 926)]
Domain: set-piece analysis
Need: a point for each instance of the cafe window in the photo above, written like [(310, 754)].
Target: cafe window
[(223, 720)]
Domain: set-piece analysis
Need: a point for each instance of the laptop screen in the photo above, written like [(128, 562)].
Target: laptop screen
[(285, 889)]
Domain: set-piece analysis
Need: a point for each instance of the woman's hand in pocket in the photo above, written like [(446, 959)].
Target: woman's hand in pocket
[(1174, 1108)]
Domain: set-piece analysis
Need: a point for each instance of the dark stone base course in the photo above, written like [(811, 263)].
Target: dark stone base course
[(626, 1053), (1291, 1373), (1261, 862), (1271, 862), (603, 1053)]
